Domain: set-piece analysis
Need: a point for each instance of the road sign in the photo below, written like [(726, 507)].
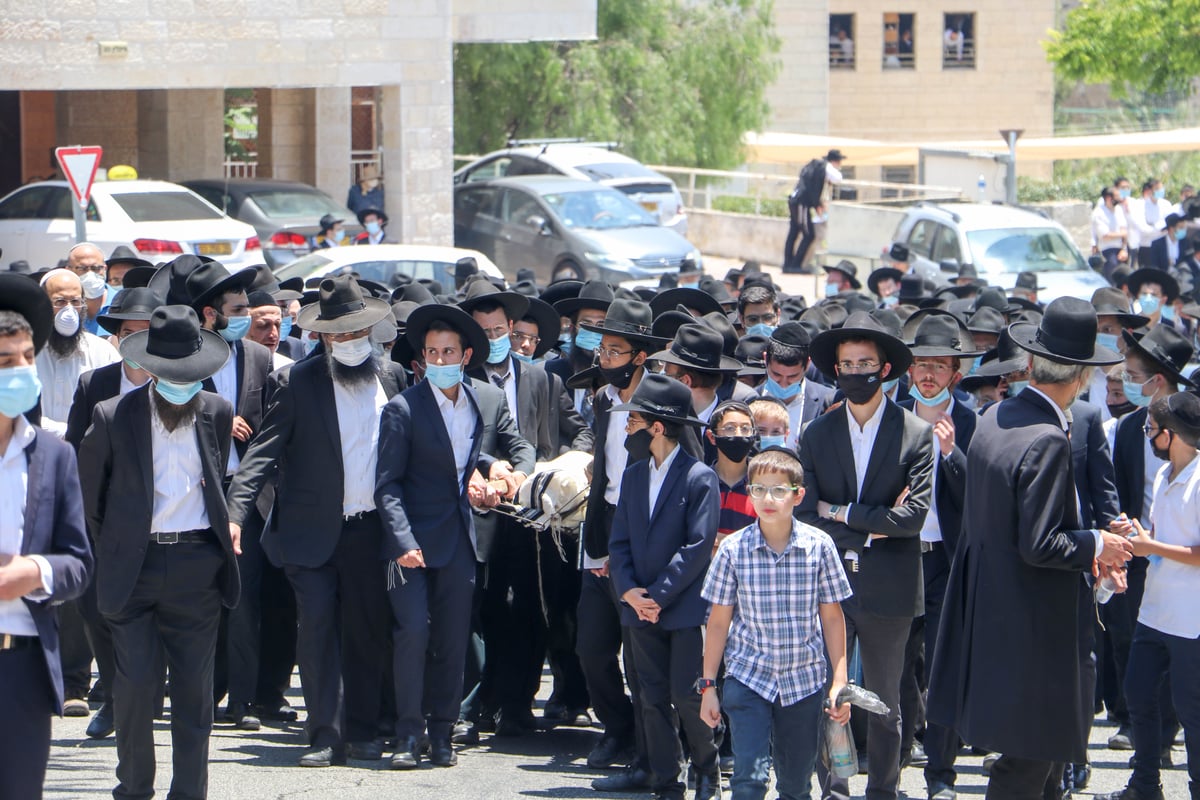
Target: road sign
[(79, 165)]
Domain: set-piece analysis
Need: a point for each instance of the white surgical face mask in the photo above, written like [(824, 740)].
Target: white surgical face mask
[(66, 321), (93, 285), (353, 352)]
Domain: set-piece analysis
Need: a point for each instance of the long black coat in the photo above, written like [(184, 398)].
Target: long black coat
[(1008, 670)]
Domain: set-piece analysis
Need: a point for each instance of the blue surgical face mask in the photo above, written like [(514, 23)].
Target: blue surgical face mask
[(1016, 387), (236, 329), (760, 329), (565, 345), (524, 359), (1180, 234), (177, 394), (444, 376), (1124, 193), (587, 340), (285, 327), (1108, 340), (891, 300), (890, 386), (19, 390), (373, 228), (831, 289), (1168, 313), (975, 362), (782, 392), (309, 343), (1135, 393), (936, 400), (1148, 303), (1159, 194), (771, 441), (498, 349)]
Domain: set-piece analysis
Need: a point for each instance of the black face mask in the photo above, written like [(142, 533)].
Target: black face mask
[(859, 387), (736, 448), (1121, 409), (1165, 453), (638, 445), (620, 377)]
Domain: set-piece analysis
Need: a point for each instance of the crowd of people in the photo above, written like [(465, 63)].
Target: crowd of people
[(979, 508)]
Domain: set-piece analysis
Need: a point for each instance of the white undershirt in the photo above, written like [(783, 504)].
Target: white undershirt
[(15, 618), (178, 478), (459, 419), (225, 382), (358, 411), (658, 475)]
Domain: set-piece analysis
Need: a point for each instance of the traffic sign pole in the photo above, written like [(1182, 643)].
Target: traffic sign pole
[(79, 164), (80, 221)]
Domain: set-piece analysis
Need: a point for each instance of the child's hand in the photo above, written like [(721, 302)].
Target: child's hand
[(710, 708), (839, 713)]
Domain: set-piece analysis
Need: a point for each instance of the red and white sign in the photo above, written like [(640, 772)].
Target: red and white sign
[(79, 165)]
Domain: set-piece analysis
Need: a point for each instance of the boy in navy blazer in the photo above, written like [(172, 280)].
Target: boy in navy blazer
[(661, 545)]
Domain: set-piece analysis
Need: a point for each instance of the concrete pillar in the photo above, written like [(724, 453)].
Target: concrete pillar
[(285, 134), (330, 128), (180, 133)]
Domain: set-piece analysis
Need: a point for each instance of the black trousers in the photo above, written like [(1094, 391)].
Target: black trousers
[(343, 619), (668, 664), (1024, 779), (514, 629), (75, 651), (561, 586), (941, 743), (277, 656), (799, 227), (598, 647), (26, 706), (175, 606), (99, 637)]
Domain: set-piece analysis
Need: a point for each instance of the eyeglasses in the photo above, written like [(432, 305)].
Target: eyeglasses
[(760, 319), (633, 425), (346, 337), (1132, 378), (1153, 432), (935, 367), (60, 303), (857, 366), (758, 491), (83, 269), (525, 338), (610, 353), (735, 430)]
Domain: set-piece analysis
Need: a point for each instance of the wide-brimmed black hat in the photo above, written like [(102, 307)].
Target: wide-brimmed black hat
[(176, 348), (129, 304), (328, 221), (1170, 286), (561, 290), (1022, 304), (968, 272), (1066, 334), (170, 279), (362, 213), (986, 320), (421, 317), (882, 274), (717, 290), (526, 288), (484, 293), (698, 347), (912, 289), (835, 155), (629, 319), (126, 255), (1110, 302), (1028, 281), (847, 268), (1007, 357), (209, 280), (993, 297), (137, 277), (413, 293), (859, 325), (25, 297), (265, 281), (661, 397), (547, 321), (719, 322), (667, 323), (938, 334), (402, 350), (593, 294), (898, 252), (341, 307), (1165, 347), (751, 351)]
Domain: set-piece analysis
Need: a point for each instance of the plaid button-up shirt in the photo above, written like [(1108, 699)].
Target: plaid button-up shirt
[(775, 646)]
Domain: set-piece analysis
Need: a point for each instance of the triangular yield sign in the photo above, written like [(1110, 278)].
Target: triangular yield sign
[(79, 165)]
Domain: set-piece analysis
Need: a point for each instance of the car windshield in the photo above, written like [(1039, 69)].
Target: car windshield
[(310, 264), (614, 170), (283, 204), (600, 209), (1023, 250), (384, 271), (164, 206)]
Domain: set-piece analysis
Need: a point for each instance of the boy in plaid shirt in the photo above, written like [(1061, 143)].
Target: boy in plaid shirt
[(775, 589)]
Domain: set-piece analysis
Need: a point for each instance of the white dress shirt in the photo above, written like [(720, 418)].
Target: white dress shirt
[(862, 441), (659, 474), (1172, 587), (127, 385), (1105, 221), (358, 411), (459, 419), (225, 382), (15, 618), (616, 457), (931, 531), (59, 377), (178, 478)]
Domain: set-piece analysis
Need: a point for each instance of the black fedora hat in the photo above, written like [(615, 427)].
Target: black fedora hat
[(847, 268), (968, 272), (938, 334), (912, 289), (667, 323), (1066, 334), (1137, 278), (1028, 281), (986, 320), (209, 280), (526, 288), (720, 323), (25, 297), (883, 273), (629, 319), (328, 221), (662, 397), (484, 293), (593, 294), (751, 351), (421, 317), (265, 281), (1006, 357), (176, 348), (129, 304), (898, 252), (889, 319), (341, 307), (561, 290), (698, 347), (859, 325), (1165, 347), (126, 255), (1110, 302), (547, 321), (170, 279), (835, 155), (413, 293), (402, 351), (137, 277), (1017, 304), (362, 213), (993, 297), (717, 290)]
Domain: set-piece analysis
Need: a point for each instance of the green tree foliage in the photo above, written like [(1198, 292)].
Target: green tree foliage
[(1147, 45), (672, 81)]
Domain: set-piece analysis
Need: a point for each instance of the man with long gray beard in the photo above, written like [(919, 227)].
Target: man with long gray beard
[(318, 440)]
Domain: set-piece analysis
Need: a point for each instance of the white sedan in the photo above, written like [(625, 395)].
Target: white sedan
[(157, 219), (382, 263)]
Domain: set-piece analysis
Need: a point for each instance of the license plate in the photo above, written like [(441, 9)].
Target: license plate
[(214, 248), (650, 206)]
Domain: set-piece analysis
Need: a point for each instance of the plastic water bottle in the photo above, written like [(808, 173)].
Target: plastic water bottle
[(981, 185), (1105, 590)]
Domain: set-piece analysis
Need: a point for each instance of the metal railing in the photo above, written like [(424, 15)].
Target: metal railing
[(242, 168), (360, 161)]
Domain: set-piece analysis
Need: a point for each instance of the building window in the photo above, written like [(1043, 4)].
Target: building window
[(958, 42), (841, 41), (897, 175), (898, 41)]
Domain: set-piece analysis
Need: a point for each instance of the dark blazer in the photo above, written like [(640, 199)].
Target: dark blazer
[(952, 473), (1094, 474), (1159, 258), (1017, 602), (422, 505), (299, 448), (1129, 463), (540, 412), (116, 470), (253, 367), (54, 529), (889, 581), (571, 433), (291, 347), (667, 549), (817, 399), (94, 387)]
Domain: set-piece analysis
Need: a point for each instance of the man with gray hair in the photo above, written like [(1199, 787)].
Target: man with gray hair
[(1022, 556), (86, 260)]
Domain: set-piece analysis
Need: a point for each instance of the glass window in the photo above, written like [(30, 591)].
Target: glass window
[(958, 41), (946, 245), (1023, 250), (518, 207), (165, 206), (28, 203), (897, 175), (301, 205), (841, 41), (488, 170), (920, 238), (61, 206), (470, 203), (600, 209), (386, 272), (520, 165), (898, 31)]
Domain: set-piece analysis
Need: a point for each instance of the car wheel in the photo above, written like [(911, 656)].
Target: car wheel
[(567, 271)]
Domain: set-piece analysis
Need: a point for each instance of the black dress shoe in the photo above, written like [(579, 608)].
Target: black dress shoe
[(364, 751), (441, 753), (1130, 793), (630, 779), (242, 717), (1081, 776), (408, 755), (276, 713), (579, 718), (464, 732), (555, 713), (609, 752), (321, 757), (940, 791), (708, 786), (515, 724), (101, 725)]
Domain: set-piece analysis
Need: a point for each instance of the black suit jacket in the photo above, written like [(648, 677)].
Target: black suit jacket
[(94, 387), (1094, 473), (299, 448), (889, 581), (1159, 258), (1129, 463), (253, 367), (951, 473), (116, 469), (291, 347), (541, 417)]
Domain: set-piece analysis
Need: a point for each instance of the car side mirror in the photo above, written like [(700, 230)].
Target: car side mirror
[(1096, 262), (540, 223)]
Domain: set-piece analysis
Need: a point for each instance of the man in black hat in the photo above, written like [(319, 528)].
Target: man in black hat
[(884, 283), (872, 499), (1026, 287), (587, 304), (1113, 317), (696, 359), (1155, 292), (151, 467), (663, 530), (44, 551), (787, 364), (374, 222), (804, 199), (841, 277), (331, 234), (318, 442), (1023, 556)]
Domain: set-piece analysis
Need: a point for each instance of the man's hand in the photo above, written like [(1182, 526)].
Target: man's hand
[(241, 429), (639, 600), (1117, 549), (1122, 526), (19, 575), (502, 471), (902, 497), (710, 708), (1118, 576), (601, 572), (944, 430), (838, 713), (235, 536), (413, 559)]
